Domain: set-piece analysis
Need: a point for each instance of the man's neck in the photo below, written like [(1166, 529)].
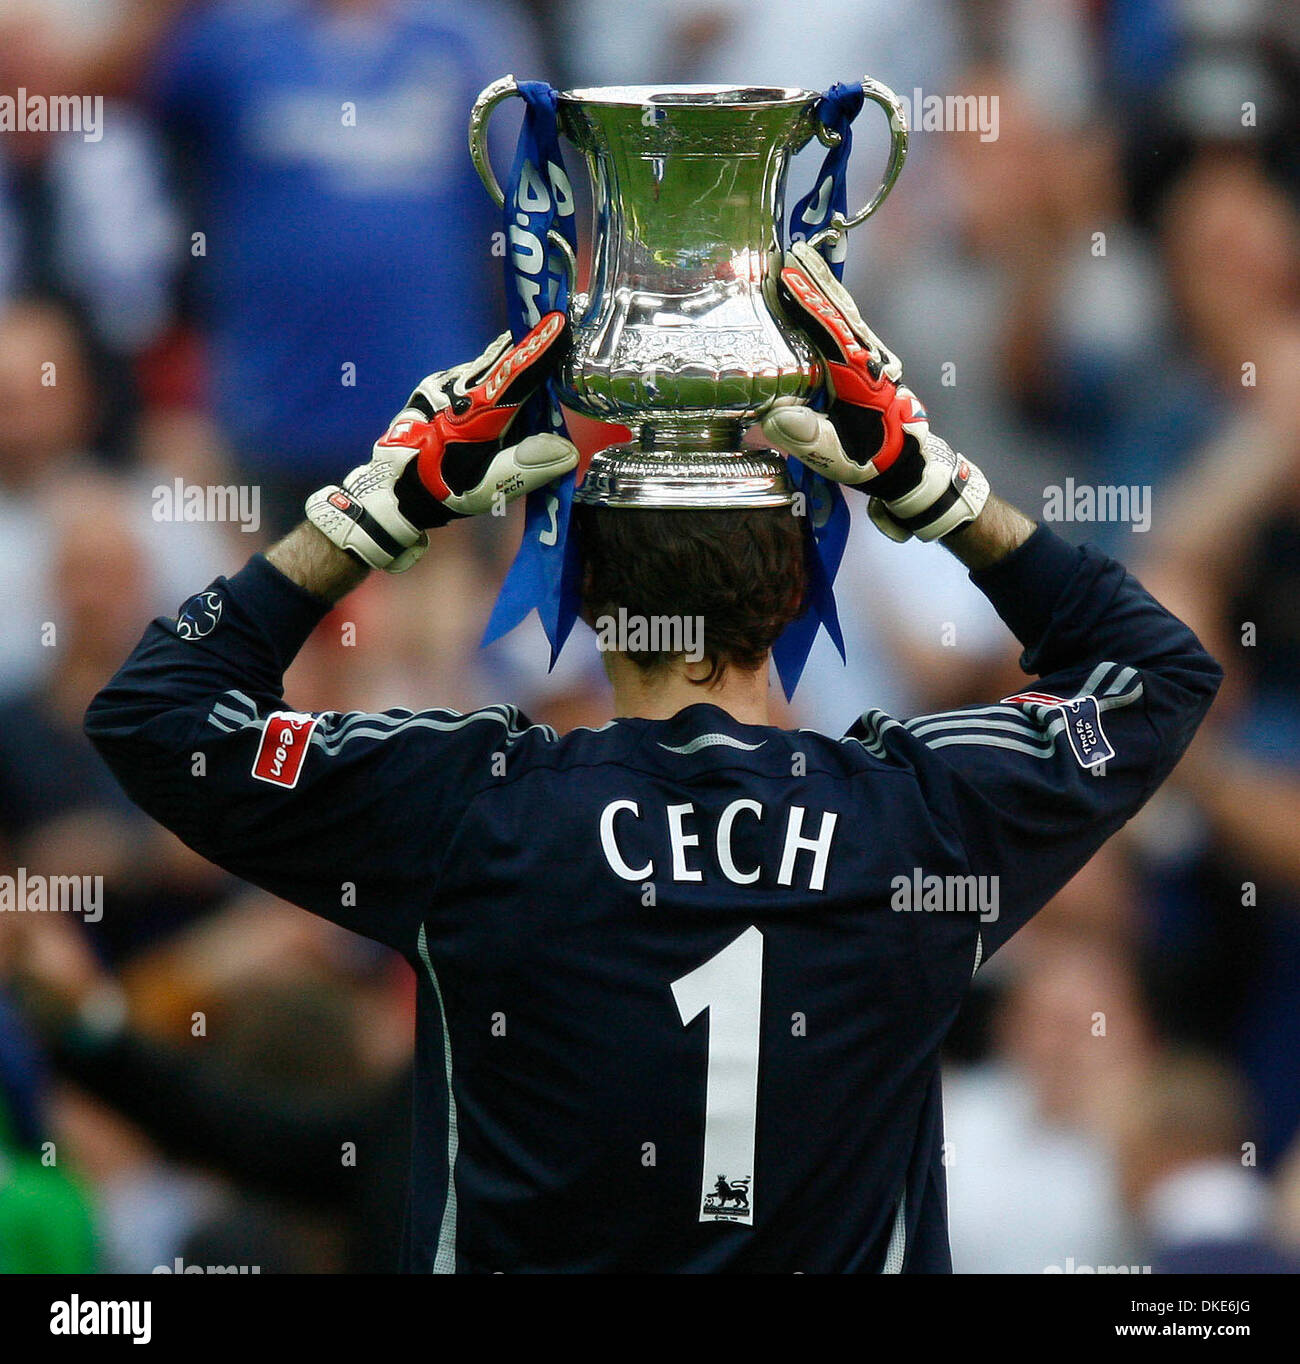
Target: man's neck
[(661, 694)]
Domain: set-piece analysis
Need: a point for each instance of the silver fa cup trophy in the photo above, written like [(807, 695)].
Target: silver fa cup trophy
[(679, 335)]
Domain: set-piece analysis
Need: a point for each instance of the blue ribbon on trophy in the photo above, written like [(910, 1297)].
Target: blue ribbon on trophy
[(828, 513), (538, 198)]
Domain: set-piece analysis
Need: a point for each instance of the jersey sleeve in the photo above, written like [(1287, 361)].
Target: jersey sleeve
[(1035, 783), (346, 814)]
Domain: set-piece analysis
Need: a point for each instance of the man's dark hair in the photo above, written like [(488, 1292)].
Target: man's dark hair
[(744, 574)]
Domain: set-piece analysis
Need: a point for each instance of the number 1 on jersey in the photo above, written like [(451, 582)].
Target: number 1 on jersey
[(730, 986)]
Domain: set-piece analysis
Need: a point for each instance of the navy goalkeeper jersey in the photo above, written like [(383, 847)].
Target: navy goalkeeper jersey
[(682, 983)]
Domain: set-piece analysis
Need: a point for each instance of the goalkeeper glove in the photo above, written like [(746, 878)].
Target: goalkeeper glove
[(874, 434), (446, 454)]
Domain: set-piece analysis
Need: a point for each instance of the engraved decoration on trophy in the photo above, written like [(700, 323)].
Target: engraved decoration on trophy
[(679, 334)]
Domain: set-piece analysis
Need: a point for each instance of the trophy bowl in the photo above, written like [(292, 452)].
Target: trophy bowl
[(679, 334)]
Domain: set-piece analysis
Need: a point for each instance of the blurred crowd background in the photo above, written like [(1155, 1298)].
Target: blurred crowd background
[(180, 1080)]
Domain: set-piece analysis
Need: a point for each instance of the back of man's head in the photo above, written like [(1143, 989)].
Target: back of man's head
[(740, 576)]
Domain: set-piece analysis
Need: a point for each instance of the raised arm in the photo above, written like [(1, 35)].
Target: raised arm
[(319, 807), (1034, 783), (306, 557)]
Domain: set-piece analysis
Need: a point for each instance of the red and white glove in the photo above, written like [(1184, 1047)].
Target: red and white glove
[(874, 433), (445, 455)]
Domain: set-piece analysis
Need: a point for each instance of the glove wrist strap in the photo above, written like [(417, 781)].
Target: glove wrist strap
[(952, 493), (345, 522)]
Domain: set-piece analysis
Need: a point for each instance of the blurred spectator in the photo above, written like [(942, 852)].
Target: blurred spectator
[(1224, 940), (1188, 1173), (50, 398), (45, 393), (61, 813), (1230, 245), (1020, 338), (344, 244), (1031, 1176), (85, 219), (283, 1109), (756, 42), (296, 1089), (1286, 1214), (46, 1224)]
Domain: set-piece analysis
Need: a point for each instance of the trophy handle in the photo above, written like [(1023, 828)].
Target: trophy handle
[(889, 102), (478, 153)]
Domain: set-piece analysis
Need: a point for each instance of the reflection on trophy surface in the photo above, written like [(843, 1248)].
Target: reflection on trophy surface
[(679, 334)]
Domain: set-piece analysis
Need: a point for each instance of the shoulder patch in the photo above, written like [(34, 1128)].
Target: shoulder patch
[(199, 616), (284, 746), (1082, 716)]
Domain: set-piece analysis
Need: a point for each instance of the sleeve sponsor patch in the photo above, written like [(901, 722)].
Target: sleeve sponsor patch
[(199, 616), (1082, 714), (284, 746)]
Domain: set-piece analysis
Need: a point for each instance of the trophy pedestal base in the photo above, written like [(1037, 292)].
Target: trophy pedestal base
[(641, 474)]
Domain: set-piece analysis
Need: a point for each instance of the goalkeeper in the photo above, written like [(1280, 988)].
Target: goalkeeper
[(676, 1011)]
